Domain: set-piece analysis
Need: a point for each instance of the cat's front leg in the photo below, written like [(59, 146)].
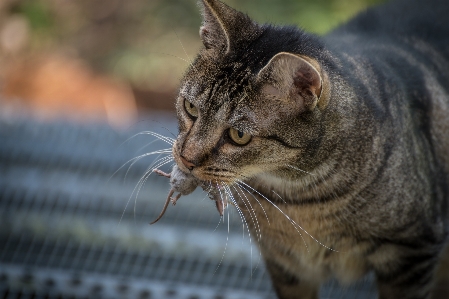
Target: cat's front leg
[(412, 280), (288, 285)]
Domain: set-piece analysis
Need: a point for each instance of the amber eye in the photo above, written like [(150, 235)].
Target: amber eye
[(190, 109), (239, 137)]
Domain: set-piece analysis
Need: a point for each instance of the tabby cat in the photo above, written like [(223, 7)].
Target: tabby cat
[(334, 149)]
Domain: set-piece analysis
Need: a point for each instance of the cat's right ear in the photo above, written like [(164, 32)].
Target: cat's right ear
[(295, 78), (224, 27)]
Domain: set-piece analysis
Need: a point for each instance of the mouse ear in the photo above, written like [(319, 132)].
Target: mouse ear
[(223, 27), (294, 78)]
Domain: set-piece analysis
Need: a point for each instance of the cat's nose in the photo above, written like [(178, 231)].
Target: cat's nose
[(187, 164)]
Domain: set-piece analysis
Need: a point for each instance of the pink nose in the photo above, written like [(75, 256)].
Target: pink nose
[(187, 164)]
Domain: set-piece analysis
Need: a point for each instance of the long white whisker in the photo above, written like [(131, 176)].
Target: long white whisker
[(185, 52), (221, 198), (251, 211), (226, 246), (146, 145), (172, 55), (299, 169), (147, 175), (163, 151), (257, 200), (218, 224), (150, 170), (138, 185), (295, 226), (168, 140), (248, 209), (229, 194), (258, 229), (245, 223), (279, 196), (288, 217)]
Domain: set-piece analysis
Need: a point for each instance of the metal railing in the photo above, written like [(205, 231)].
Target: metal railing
[(69, 228)]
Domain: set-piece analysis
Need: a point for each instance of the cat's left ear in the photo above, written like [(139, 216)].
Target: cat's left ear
[(224, 27), (295, 78)]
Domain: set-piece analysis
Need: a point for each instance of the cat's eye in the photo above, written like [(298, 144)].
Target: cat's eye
[(191, 110), (239, 137)]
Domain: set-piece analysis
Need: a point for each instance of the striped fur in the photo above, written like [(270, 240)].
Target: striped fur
[(347, 170)]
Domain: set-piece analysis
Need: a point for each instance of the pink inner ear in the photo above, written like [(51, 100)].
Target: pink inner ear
[(306, 78), (270, 90)]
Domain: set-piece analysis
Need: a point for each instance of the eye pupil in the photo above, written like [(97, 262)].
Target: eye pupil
[(191, 110), (239, 137)]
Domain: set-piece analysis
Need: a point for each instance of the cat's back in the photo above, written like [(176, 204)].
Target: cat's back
[(410, 30), (401, 19), (396, 57)]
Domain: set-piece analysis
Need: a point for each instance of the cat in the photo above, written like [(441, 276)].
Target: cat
[(334, 149)]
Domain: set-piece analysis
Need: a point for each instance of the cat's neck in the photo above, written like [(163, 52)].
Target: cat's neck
[(295, 185), (334, 174)]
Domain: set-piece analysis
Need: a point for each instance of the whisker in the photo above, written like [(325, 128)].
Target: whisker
[(165, 128), (295, 225), (222, 201), (257, 200), (226, 246), (150, 169), (146, 145), (219, 221), (172, 55), (288, 217), (208, 194), (245, 223), (147, 173), (136, 159), (163, 151), (299, 169), (185, 52), (171, 133), (169, 140), (279, 196), (251, 211), (229, 193)]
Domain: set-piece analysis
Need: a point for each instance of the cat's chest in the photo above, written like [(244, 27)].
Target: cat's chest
[(307, 238)]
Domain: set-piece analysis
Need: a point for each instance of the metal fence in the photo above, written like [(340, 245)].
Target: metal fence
[(71, 228)]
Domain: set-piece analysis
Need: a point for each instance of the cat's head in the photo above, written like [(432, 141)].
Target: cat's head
[(252, 100)]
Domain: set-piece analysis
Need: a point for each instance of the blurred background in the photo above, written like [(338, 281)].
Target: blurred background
[(82, 82)]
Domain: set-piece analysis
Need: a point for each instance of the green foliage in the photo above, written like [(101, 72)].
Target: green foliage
[(318, 16), (37, 13), (150, 42)]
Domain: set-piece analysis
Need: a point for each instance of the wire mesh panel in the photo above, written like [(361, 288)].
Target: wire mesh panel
[(74, 222)]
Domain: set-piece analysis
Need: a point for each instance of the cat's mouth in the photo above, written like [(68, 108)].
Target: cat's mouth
[(205, 174), (184, 183)]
